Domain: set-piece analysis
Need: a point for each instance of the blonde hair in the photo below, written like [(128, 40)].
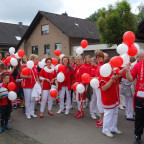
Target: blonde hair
[(32, 57), (86, 57), (78, 57)]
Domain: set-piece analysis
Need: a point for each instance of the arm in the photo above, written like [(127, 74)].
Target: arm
[(24, 76), (128, 73)]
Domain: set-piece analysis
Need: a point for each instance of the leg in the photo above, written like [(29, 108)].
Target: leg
[(130, 108), (93, 103), (68, 99), (62, 95), (50, 101), (32, 105)]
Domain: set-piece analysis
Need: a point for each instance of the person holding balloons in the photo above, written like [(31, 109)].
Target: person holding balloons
[(28, 83), (65, 86), (48, 76)]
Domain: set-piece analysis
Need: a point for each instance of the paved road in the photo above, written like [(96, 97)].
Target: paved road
[(62, 129)]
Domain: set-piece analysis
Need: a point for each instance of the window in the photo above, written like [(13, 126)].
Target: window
[(34, 49), (47, 49), (58, 46), (45, 29)]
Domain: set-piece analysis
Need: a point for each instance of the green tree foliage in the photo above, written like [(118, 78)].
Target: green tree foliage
[(140, 15)]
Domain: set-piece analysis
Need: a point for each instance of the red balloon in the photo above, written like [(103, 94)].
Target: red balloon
[(57, 52), (74, 86), (84, 43), (54, 61), (53, 93), (21, 53), (61, 68), (26, 71), (7, 60), (11, 86), (116, 61), (129, 38), (86, 78), (132, 51), (13, 56)]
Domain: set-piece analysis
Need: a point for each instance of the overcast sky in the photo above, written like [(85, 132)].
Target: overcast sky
[(15, 11)]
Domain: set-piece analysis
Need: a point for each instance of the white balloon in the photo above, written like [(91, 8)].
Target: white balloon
[(43, 61), (60, 77), (56, 67), (80, 88), (122, 49), (126, 59), (11, 50), (30, 64), (79, 50), (41, 64), (12, 95), (17, 56), (61, 56), (13, 62), (137, 46), (94, 83), (105, 70)]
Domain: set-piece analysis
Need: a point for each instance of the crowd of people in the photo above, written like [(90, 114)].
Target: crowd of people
[(103, 101)]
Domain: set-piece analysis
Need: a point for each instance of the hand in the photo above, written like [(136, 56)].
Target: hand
[(48, 80), (29, 77), (127, 67), (52, 80), (114, 77)]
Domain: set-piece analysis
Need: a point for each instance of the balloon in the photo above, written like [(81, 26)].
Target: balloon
[(128, 38), (12, 95), (61, 68), (84, 43), (53, 93), (56, 67), (122, 49), (61, 56), (16, 55), (86, 78), (26, 71), (126, 59), (57, 52), (116, 61), (79, 50), (7, 60), (105, 70), (21, 53), (132, 51), (11, 50), (41, 64), (80, 88), (30, 64), (13, 62), (94, 83), (137, 46), (43, 61), (54, 61), (74, 86), (60, 77), (11, 86)]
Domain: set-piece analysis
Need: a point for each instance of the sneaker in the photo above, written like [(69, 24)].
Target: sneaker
[(137, 140), (100, 124), (28, 117), (60, 111), (108, 134), (118, 132), (1, 129), (66, 112), (97, 122), (34, 116), (7, 127), (93, 116)]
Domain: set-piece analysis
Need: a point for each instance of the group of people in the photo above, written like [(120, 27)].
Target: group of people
[(103, 101)]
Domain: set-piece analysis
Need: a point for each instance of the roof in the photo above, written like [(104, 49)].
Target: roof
[(72, 27), (11, 33)]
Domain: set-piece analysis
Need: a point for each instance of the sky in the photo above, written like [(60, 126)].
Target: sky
[(14, 11)]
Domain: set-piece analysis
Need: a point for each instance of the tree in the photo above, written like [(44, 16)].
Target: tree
[(140, 15)]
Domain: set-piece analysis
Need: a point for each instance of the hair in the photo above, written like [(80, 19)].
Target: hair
[(2, 66), (71, 57), (32, 57), (78, 57), (48, 59), (65, 57), (4, 75), (132, 59), (105, 54), (22, 59), (99, 53), (94, 59), (86, 58)]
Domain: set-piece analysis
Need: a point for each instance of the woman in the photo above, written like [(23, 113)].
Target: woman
[(48, 76), (65, 86), (24, 60), (27, 85)]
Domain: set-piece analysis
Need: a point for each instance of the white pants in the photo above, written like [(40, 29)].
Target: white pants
[(129, 107), (93, 103), (78, 102), (122, 98), (110, 120), (46, 96), (29, 104), (99, 101), (68, 96)]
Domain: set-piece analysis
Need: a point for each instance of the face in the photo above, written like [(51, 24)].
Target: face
[(140, 57), (24, 59), (6, 79), (100, 59), (78, 61), (35, 60), (48, 63), (87, 60), (71, 60), (65, 61)]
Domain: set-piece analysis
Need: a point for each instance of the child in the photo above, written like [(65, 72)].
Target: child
[(5, 105)]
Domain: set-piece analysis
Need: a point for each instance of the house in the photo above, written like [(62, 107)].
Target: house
[(10, 35), (49, 31)]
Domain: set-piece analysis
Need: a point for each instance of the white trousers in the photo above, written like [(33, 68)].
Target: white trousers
[(29, 104), (122, 98), (46, 96), (110, 120), (68, 96), (129, 107), (99, 101), (93, 103), (78, 102)]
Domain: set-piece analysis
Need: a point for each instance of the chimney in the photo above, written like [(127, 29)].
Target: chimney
[(65, 14), (20, 25)]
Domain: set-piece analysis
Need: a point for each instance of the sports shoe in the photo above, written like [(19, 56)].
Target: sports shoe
[(77, 114), (108, 134), (34, 116), (80, 115), (7, 127), (66, 112), (1, 129), (118, 132), (100, 124), (97, 122), (93, 116), (60, 111), (28, 117)]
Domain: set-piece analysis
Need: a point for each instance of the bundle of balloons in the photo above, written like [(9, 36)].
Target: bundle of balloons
[(125, 50), (12, 94), (84, 44)]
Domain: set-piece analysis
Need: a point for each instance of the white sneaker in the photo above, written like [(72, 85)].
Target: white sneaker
[(34, 116), (66, 112), (118, 132), (109, 135), (28, 117), (93, 116), (60, 111)]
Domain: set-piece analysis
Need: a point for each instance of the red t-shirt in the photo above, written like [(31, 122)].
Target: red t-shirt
[(5, 100), (65, 82), (29, 83), (94, 71), (44, 74)]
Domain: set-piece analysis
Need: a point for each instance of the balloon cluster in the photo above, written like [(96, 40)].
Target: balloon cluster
[(84, 44), (12, 95)]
